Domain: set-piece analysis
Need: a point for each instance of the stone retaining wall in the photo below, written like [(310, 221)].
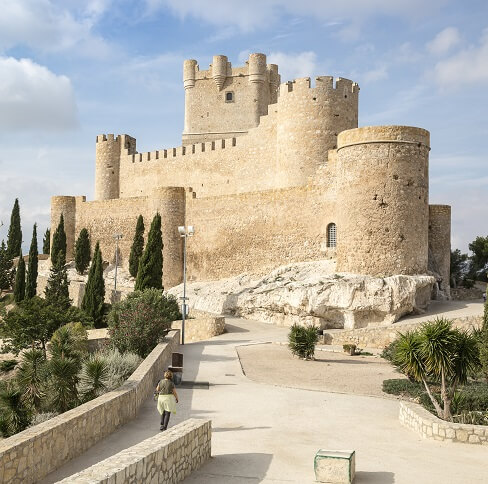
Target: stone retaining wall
[(201, 328), (32, 454), (167, 457), (379, 337), (429, 426)]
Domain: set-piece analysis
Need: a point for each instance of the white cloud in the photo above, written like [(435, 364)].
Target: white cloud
[(444, 41), (377, 74), (469, 65), (292, 66), (50, 25), (255, 14), (32, 97)]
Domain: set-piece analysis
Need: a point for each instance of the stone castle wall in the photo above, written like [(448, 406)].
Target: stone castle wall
[(286, 163)]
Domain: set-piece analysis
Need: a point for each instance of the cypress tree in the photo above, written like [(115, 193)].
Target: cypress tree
[(57, 288), (14, 238), (82, 251), (137, 247), (59, 242), (46, 242), (32, 270), (150, 272), (19, 287), (94, 297), (6, 271)]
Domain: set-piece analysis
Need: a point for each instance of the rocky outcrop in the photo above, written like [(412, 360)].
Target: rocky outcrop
[(312, 292)]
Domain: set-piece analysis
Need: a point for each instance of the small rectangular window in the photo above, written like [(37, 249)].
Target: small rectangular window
[(229, 97)]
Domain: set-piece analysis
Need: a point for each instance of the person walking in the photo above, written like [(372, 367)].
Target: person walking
[(167, 399)]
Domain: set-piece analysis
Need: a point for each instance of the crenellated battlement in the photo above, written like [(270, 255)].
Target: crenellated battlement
[(187, 150), (322, 83)]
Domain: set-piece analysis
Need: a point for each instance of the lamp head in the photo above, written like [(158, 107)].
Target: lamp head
[(191, 230), (181, 231)]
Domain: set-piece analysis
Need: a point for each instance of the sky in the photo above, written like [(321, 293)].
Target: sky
[(72, 69)]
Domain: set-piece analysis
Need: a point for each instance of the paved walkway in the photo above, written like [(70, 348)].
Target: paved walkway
[(265, 433)]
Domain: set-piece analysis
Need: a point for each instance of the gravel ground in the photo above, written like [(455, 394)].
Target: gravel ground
[(332, 372)]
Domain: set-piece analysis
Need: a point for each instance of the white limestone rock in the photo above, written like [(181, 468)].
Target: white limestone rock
[(312, 292)]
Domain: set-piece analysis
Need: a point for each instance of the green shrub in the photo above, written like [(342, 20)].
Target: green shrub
[(302, 340), (349, 348), (402, 387), (7, 365), (472, 418), (137, 323), (388, 352)]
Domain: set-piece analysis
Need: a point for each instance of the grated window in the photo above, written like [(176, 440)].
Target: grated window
[(331, 235), (229, 97)]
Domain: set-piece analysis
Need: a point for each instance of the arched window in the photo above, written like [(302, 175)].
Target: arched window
[(331, 235)]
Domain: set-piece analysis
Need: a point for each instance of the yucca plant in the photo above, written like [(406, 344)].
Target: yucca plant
[(93, 378), (63, 382), (302, 340), (15, 416), (31, 377), (439, 354)]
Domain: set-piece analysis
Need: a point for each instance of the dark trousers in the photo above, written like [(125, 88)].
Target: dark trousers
[(165, 420)]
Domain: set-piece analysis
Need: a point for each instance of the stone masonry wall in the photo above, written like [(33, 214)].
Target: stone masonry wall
[(167, 458), (201, 328), (382, 336), (251, 232), (35, 452), (428, 426)]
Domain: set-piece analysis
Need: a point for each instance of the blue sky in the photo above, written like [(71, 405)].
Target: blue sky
[(70, 70)]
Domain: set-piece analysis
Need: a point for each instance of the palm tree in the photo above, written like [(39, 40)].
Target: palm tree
[(440, 354)]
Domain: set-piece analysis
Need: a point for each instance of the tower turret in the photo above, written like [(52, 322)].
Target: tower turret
[(309, 120), (219, 70), (107, 163)]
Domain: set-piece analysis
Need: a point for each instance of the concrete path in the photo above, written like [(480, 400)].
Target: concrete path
[(264, 433)]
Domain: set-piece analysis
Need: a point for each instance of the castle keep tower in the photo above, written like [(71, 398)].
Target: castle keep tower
[(224, 102), (382, 201)]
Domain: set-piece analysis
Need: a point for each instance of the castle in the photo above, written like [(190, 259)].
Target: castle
[(269, 174)]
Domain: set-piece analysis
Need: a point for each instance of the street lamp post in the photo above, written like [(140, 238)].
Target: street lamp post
[(117, 237), (184, 233)]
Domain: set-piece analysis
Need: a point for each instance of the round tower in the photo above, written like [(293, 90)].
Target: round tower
[(170, 203), (274, 83), (65, 206), (258, 78), (440, 244), (189, 79), (309, 120), (219, 70), (382, 202), (107, 167)]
